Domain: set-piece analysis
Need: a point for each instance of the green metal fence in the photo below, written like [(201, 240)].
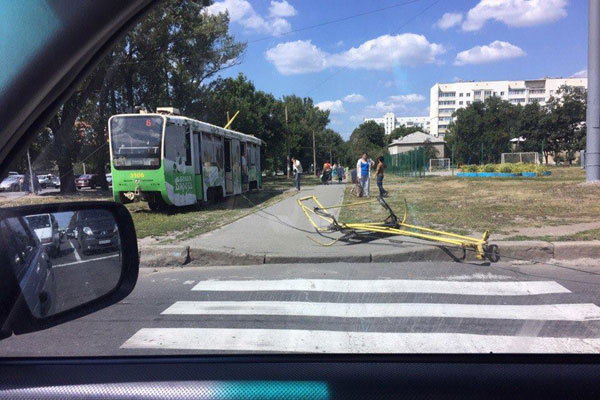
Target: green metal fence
[(411, 163)]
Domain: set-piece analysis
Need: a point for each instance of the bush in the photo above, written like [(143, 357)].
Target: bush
[(469, 168), (488, 168), (505, 168)]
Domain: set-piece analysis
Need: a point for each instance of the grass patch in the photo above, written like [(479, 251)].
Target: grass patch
[(187, 222), (473, 205), (592, 234)]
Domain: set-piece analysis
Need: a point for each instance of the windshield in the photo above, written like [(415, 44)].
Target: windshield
[(337, 176), (39, 221), (136, 141)]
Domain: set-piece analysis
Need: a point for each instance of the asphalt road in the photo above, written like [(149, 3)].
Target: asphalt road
[(338, 308), (83, 277)]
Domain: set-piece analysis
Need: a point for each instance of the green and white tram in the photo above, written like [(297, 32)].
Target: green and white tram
[(167, 159)]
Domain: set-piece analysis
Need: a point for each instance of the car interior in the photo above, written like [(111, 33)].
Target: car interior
[(30, 94)]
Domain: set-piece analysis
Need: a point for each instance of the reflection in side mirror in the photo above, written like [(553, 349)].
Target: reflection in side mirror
[(59, 262), (56, 275)]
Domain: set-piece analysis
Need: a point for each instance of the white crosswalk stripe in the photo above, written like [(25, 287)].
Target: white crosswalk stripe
[(518, 288), (256, 335), (549, 312), (310, 341)]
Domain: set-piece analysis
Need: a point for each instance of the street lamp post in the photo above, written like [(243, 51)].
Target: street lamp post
[(592, 151)]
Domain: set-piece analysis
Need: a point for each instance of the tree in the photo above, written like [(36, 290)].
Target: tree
[(430, 150), (482, 131), (164, 60), (368, 137), (567, 114)]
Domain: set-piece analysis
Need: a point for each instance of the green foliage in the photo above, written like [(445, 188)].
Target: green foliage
[(514, 168), (482, 131), (368, 138)]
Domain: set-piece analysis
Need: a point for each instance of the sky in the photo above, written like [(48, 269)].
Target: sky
[(363, 58)]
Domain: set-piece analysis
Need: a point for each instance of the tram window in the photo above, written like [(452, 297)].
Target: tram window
[(188, 147), (175, 143)]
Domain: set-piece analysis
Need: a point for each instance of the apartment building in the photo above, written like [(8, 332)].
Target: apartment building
[(445, 98), (390, 122)]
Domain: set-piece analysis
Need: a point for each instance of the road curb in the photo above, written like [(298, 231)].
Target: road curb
[(155, 256)]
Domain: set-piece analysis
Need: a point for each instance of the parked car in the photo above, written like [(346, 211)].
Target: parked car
[(45, 227), (86, 180), (49, 181), (96, 230), (12, 183), (30, 264)]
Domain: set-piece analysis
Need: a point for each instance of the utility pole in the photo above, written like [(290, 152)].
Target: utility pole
[(592, 150), (83, 168), (31, 188), (287, 139), (314, 154)]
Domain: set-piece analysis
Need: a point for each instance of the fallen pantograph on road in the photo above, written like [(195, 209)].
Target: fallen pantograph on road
[(391, 226)]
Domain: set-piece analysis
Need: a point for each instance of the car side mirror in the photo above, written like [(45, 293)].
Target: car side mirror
[(46, 279)]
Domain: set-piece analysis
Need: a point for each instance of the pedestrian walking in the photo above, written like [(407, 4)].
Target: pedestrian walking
[(326, 177), (379, 173), (363, 170), (297, 166), (340, 173)]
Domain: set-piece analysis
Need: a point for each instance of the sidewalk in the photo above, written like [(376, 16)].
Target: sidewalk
[(282, 234)]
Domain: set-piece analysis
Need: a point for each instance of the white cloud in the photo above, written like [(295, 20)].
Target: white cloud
[(580, 74), (354, 98), (380, 53), (356, 118), (394, 103), (282, 9), (334, 106), (495, 51), (388, 50), (242, 12), (339, 43), (407, 98), (514, 12), (449, 20), (297, 57)]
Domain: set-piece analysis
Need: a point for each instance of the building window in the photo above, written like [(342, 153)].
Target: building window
[(447, 94), (460, 95), (447, 102), (516, 91), (501, 93), (468, 102), (488, 93), (468, 94), (460, 103)]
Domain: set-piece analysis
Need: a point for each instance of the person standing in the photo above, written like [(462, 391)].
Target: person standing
[(379, 173), (340, 173), (297, 166), (363, 170)]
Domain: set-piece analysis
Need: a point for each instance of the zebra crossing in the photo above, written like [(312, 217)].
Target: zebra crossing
[(376, 316)]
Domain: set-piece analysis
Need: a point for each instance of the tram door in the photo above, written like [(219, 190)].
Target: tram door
[(236, 166), (228, 169)]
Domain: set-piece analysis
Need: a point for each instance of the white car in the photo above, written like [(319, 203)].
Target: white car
[(45, 227), (12, 183)]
